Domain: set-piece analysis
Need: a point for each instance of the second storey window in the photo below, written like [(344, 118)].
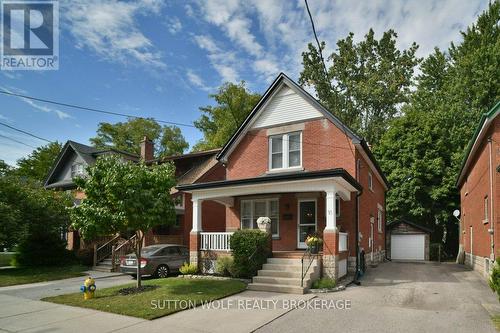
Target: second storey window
[(77, 170), (285, 151), (485, 220), (370, 181)]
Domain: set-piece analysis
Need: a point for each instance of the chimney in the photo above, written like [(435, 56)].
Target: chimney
[(147, 149)]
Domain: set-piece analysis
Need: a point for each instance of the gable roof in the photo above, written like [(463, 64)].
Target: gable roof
[(413, 224), (281, 80), (481, 130), (275, 87), (87, 153)]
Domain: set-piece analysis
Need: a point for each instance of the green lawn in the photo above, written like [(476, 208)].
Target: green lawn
[(496, 322), (152, 304), (12, 276), (5, 258)]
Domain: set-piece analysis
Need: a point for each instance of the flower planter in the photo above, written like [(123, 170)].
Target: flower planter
[(314, 249)]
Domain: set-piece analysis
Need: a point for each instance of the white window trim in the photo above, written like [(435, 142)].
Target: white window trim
[(379, 220), (268, 209), (284, 151), (77, 173), (298, 216), (486, 205), (180, 205), (370, 181)]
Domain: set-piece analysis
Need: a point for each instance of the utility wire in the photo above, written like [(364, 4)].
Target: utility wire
[(326, 71), (25, 132), (14, 140), (85, 108)]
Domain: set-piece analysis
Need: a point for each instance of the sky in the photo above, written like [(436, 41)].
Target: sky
[(162, 59)]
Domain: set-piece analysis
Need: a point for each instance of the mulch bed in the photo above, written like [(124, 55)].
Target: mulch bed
[(135, 290)]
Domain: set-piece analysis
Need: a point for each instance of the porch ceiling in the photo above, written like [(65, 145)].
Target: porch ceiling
[(336, 180)]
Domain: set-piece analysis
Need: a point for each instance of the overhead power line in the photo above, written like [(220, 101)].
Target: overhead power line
[(25, 132), (14, 140), (85, 108)]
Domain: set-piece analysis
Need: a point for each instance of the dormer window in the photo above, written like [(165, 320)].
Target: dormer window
[(77, 170), (285, 151)]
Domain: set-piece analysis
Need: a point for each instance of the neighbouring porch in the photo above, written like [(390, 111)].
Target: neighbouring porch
[(298, 205)]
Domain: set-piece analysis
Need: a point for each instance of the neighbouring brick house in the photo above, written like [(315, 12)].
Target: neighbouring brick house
[(190, 168), (479, 184), (293, 161)]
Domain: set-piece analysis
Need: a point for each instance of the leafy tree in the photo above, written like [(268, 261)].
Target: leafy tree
[(172, 141), (30, 215), (4, 168), (366, 83), (123, 197), (37, 165), (422, 151), (219, 122), (128, 135)]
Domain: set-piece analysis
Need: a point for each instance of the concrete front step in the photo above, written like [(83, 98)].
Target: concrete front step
[(281, 280), (287, 267), (278, 288), (284, 274)]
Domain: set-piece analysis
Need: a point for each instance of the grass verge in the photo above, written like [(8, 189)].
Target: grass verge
[(496, 322), (153, 304), (13, 276)]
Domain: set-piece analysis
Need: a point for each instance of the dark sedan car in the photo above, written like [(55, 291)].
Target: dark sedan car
[(157, 260)]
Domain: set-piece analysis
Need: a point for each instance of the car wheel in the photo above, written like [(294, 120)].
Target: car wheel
[(162, 271)]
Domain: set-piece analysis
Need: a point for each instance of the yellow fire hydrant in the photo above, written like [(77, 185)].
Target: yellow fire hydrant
[(88, 288)]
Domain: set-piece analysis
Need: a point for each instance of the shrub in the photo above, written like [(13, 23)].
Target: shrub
[(250, 250), (43, 250), (188, 269), (325, 282), (494, 281), (224, 266)]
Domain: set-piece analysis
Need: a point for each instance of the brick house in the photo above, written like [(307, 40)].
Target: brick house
[(293, 161), (75, 157), (479, 184)]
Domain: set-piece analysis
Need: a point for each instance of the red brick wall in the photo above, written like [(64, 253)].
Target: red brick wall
[(475, 188), (368, 207), (324, 147), (288, 203)]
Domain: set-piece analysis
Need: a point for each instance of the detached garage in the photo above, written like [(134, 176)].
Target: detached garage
[(408, 241)]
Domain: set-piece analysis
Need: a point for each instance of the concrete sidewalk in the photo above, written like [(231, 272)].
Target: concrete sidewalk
[(23, 315), (39, 290)]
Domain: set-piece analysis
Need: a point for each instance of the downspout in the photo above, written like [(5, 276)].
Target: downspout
[(492, 201), (356, 229)]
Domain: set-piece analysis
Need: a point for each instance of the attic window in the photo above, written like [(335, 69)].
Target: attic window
[(77, 170), (285, 151)]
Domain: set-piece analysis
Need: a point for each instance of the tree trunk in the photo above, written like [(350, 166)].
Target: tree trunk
[(138, 249)]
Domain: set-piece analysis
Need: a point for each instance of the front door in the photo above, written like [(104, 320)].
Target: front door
[(306, 222)]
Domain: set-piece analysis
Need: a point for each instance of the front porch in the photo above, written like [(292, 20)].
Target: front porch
[(298, 205)]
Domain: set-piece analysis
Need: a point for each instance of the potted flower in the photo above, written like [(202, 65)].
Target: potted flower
[(314, 242), (264, 224)]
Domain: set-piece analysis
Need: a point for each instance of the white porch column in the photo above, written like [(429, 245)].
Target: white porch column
[(197, 204), (331, 211)]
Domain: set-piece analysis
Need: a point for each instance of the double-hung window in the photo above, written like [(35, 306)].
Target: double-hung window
[(251, 210), (379, 220), (370, 181), (485, 220), (285, 151)]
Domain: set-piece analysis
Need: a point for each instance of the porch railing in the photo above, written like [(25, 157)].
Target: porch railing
[(104, 251), (122, 250), (217, 241), (343, 241)]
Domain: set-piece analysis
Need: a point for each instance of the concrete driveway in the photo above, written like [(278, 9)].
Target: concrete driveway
[(403, 297)]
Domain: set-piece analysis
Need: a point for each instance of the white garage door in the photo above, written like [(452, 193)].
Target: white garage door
[(408, 247)]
